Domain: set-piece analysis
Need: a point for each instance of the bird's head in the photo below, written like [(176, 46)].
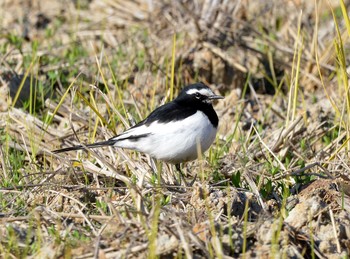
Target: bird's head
[(198, 92)]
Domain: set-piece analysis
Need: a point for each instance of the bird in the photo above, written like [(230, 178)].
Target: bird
[(173, 132)]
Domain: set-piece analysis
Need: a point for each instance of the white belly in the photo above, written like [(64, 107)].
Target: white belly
[(173, 142)]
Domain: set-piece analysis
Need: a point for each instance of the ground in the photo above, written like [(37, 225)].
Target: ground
[(276, 182)]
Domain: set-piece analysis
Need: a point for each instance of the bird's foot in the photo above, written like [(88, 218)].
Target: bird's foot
[(190, 184)]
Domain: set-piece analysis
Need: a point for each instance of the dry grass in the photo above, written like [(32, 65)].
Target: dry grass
[(274, 184)]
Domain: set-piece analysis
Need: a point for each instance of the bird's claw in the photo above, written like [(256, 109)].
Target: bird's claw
[(190, 184)]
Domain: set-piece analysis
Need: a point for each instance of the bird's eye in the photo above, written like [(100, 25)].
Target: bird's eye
[(197, 95)]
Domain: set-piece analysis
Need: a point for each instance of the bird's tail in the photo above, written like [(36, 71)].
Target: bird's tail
[(109, 142)]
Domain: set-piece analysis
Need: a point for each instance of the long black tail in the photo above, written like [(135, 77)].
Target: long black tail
[(109, 142)]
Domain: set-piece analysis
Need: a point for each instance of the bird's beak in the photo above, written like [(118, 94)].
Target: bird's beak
[(214, 97)]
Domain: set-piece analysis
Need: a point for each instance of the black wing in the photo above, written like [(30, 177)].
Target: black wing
[(168, 112)]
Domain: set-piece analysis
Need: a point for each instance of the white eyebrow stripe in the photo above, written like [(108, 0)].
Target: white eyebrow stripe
[(206, 92)]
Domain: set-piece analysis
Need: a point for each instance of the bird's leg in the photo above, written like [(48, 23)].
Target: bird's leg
[(178, 168)]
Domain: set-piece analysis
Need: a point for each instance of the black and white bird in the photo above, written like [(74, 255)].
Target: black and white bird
[(173, 131)]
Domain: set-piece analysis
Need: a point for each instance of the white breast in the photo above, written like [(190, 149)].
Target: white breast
[(173, 142)]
